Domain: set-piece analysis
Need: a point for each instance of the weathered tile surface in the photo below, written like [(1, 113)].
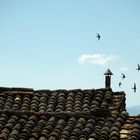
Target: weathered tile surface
[(92, 114)]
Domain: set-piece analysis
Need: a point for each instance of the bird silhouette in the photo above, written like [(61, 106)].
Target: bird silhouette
[(98, 36), (134, 87), (138, 68), (120, 84), (123, 76)]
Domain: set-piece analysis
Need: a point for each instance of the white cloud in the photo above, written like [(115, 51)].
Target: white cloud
[(124, 69), (99, 59)]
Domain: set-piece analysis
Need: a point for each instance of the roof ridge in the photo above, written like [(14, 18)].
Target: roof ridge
[(16, 90)]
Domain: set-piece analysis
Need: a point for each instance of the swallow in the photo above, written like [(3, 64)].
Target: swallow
[(134, 87), (98, 36), (120, 84), (138, 68), (123, 76)]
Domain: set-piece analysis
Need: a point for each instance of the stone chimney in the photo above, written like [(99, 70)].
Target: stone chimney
[(108, 74)]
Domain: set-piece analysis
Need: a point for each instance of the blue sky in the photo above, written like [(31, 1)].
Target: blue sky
[(53, 45)]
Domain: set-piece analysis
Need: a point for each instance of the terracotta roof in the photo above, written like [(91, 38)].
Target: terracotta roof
[(131, 128), (55, 101), (91, 114)]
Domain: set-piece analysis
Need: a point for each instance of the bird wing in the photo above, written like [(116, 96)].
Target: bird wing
[(120, 84), (134, 85), (98, 35), (123, 75)]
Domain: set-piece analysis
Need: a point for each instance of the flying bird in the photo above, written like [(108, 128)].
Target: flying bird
[(120, 84), (123, 76), (138, 68), (134, 87), (98, 36)]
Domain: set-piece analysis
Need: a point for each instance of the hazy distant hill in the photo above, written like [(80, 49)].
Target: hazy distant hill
[(134, 110)]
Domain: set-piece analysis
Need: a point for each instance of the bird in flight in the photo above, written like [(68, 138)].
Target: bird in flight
[(120, 84), (138, 68), (134, 87), (98, 36), (123, 76)]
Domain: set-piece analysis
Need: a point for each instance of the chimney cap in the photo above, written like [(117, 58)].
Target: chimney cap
[(108, 72)]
